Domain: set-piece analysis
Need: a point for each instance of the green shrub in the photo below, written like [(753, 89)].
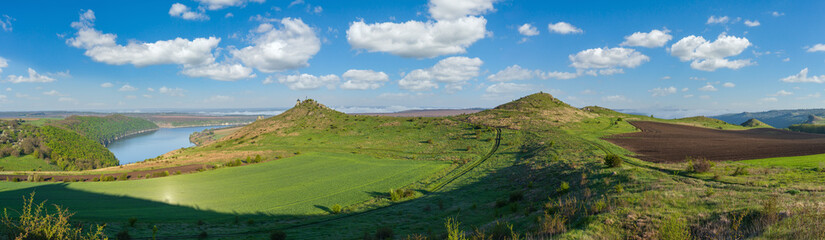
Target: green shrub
[(619, 188), (123, 177), (613, 160), (564, 187), (250, 222), (277, 235), (35, 222), (502, 230), (516, 196), (336, 209), (553, 225), (700, 165), (501, 203), (674, 228), (453, 231), (740, 171), (203, 235), (132, 221)]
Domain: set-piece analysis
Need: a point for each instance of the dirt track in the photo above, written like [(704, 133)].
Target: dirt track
[(662, 142)]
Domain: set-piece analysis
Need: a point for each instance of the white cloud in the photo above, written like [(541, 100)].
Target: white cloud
[(506, 88), (685, 89), (33, 77), (615, 98), (559, 75), (182, 11), (127, 88), (528, 30), (819, 47), (782, 93), (306, 81), (455, 9), (228, 15), (610, 71), (697, 78), (454, 71), (52, 93), (175, 92), (607, 58), (777, 14), (106, 85), (3, 63), (295, 2), (802, 77), (317, 9), (5, 23), (688, 96), (786, 60), (289, 47), (513, 73), (728, 85), (418, 39), (659, 92), (666, 78), (709, 56), (363, 79), (655, 38), (753, 23), (66, 99), (150, 89), (130, 97), (220, 4), (708, 88), (220, 71), (563, 28), (3, 98), (715, 19), (705, 97), (769, 99)]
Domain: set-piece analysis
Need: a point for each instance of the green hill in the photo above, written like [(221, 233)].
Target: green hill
[(63, 148), (106, 129), (535, 110), (775, 118), (755, 123)]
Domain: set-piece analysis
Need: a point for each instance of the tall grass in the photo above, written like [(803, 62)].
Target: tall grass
[(35, 222)]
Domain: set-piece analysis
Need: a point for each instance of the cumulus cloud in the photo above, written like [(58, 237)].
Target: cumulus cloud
[(52, 93), (615, 98), (559, 75), (563, 28), (277, 49), (33, 77), (455, 9), (416, 39), (709, 56), (716, 20), (106, 85), (306, 81), (607, 58), (506, 88), (220, 71), (175, 92), (659, 92), (195, 56), (513, 73), (363, 79), (3, 63), (454, 71), (528, 30), (753, 23), (127, 88), (182, 11), (728, 85), (802, 77), (708, 88), (655, 38), (220, 4), (777, 14), (817, 48)]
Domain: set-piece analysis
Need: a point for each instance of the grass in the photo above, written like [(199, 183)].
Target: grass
[(26, 163), (804, 162), (301, 185)]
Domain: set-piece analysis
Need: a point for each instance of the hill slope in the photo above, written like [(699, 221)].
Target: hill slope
[(535, 110), (106, 129), (66, 149), (754, 123), (776, 118)]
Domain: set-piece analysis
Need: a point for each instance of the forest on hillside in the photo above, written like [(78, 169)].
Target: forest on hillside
[(105, 130)]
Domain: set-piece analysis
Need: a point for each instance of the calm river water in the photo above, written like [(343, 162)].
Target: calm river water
[(140, 147)]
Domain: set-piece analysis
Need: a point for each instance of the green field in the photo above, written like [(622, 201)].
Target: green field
[(300, 185), (807, 162), (25, 163)]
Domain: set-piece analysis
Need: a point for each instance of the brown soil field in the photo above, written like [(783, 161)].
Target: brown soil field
[(425, 113), (662, 142)]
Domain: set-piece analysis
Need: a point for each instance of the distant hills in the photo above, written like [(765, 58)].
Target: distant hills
[(776, 118), (753, 122)]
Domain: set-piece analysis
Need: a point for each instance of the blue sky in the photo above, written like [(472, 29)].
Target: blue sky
[(666, 58)]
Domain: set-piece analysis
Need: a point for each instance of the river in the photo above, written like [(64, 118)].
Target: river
[(148, 145)]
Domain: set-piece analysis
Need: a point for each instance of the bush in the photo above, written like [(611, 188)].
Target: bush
[(132, 222), (35, 222), (336, 209), (552, 225), (123, 177), (700, 165), (619, 188), (203, 235), (674, 228), (399, 194), (502, 230), (740, 171), (277, 235), (564, 187), (384, 233), (613, 160), (453, 232), (516, 196)]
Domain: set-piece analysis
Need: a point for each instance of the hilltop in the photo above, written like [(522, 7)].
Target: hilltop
[(755, 123), (535, 110)]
